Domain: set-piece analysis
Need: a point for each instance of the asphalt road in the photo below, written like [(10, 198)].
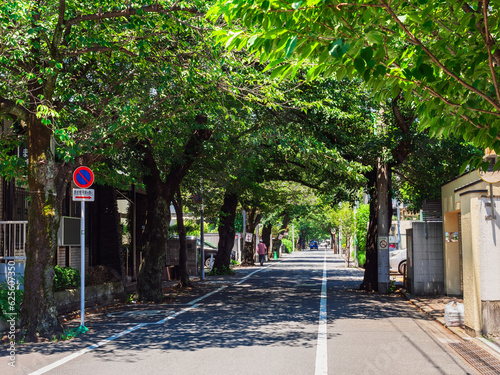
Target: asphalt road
[(299, 315)]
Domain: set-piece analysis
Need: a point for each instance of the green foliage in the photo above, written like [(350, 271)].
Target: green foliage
[(288, 245), (66, 278), (11, 298), (415, 48), (362, 218), (224, 270), (392, 286)]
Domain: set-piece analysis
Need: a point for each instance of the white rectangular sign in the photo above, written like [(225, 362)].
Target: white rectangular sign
[(249, 237), (83, 195)]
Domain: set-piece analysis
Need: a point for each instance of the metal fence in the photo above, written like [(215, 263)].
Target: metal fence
[(12, 248), (13, 239)]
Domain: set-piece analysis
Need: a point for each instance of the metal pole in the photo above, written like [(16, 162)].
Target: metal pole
[(134, 235), (82, 267), (202, 235), (244, 213), (399, 226), (293, 239)]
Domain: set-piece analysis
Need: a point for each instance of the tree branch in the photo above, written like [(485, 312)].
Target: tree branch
[(436, 61), (131, 12), (9, 107), (489, 43)]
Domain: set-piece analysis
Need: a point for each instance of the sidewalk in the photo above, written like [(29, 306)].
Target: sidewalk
[(433, 306)]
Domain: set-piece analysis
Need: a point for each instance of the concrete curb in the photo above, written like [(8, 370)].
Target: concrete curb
[(491, 346)]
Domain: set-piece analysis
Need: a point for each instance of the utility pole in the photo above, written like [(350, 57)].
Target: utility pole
[(383, 219), (202, 234)]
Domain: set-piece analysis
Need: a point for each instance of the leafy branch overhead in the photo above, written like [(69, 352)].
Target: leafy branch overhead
[(442, 55)]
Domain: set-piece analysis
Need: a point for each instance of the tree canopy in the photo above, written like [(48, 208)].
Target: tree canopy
[(442, 55)]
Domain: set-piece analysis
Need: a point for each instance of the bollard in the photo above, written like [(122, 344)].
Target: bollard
[(275, 256)]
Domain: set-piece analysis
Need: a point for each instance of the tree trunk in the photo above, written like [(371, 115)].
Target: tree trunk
[(160, 194), (155, 235), (281, 231), (39, 316), (183, 258), (227, 230), (249, 249), (370, 280)]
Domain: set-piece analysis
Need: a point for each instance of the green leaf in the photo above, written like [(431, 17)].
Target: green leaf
[(375, 37), (426, 70), (366, 54), (290, 45), (276, 72), (359, 64), (251, 41), (335, 49), (272, 64)]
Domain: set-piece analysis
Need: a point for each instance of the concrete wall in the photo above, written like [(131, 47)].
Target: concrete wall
[(488, 250), (468, 196), (69, 300), (427, 262)]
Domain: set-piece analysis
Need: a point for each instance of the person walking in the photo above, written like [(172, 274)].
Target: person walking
[(261, 250)]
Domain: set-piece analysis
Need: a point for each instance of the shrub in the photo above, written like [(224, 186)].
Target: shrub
[(288, 245), (66, 278), (223, 271), (10, 299)]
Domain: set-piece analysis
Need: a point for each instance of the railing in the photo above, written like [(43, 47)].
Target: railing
[(12, 249), (13, 239)]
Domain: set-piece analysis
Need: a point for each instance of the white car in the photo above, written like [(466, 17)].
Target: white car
[(397, 258)]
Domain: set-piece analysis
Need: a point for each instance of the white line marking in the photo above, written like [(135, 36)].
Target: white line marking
[(206, 295), (79, 353), (321, 353), (252, 273), (176, 314)]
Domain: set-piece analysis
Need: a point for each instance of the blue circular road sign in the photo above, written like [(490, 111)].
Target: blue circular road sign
[(83, 177)]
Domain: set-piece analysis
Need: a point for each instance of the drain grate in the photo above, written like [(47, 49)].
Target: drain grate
[(478, 358)]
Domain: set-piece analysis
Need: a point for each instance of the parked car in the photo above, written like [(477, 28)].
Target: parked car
[(313, 244), (210, 249), (397, 258)]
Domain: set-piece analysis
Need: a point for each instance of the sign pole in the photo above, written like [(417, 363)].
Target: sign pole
[(83, 177), (82, 268), (202, 234)]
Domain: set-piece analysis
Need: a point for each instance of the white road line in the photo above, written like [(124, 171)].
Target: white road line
[(79, 353), (250, 274), (206, 295), (170, 317), (321, 353)]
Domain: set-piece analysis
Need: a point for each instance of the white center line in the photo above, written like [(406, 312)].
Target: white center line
[(321, 353)]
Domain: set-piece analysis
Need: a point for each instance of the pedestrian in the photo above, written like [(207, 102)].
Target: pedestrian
[(261, 250)]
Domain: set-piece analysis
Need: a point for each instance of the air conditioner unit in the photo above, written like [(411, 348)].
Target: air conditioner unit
[(69, 231)]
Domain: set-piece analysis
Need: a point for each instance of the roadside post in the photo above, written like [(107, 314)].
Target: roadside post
[(83, 177)]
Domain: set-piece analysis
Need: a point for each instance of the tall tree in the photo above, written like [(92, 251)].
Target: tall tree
[(50, 54), (443, 56)]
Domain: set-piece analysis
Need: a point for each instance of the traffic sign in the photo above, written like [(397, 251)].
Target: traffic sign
[(83, 177), (383, 242), (83, 195)]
